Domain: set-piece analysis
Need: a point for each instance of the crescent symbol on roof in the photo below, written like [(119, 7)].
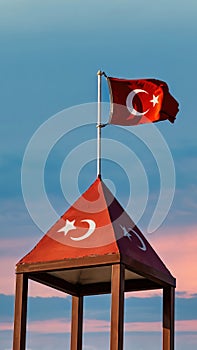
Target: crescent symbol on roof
[(91, 229), (143, 246)]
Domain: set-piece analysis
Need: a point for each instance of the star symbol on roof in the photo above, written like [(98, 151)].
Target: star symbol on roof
[(69, 226), (125, 232), (155, 100)]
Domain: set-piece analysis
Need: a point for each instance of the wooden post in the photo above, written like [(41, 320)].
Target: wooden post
[(77, 323), (168, 318), (117, 307), (20, 313)]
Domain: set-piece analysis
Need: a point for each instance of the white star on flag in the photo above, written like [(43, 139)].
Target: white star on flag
[(155, 100), (69, 226)]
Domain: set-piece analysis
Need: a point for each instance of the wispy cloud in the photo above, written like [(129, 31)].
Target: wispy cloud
[(100, 326), (7, 281), (176, 247)]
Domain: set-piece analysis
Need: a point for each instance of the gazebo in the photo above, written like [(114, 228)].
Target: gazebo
[(94, 248)]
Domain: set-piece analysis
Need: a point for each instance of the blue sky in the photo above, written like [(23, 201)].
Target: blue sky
[(50, 54)]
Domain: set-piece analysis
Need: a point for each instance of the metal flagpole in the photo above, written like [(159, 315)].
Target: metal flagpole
[(99, 74)]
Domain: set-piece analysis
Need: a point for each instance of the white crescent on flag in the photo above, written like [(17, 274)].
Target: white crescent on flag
[(129, 103)]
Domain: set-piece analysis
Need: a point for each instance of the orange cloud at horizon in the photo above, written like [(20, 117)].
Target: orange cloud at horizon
[(177, 248), (100, 326), (7, 282)]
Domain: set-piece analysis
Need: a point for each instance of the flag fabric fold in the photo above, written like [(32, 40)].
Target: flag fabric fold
[(140, 101)]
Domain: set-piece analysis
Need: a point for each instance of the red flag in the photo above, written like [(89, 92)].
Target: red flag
[(140, 101)]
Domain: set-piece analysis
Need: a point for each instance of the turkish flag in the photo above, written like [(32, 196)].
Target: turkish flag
[(140, 101)]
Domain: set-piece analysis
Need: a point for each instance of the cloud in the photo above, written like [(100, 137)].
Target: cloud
[(16, 225), (11, 250), (46, 315), (176, 247), (10, 253), (57, 326), (98, 307), (7, 281)]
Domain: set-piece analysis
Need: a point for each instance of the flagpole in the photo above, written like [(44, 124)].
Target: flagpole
[(99, 74)]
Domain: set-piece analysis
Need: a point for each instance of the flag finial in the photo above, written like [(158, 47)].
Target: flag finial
[(99, 72)]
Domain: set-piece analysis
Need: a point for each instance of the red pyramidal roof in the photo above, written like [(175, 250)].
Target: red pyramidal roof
[(95, 225)]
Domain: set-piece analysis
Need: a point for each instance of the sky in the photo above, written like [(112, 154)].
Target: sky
[(50, 55)]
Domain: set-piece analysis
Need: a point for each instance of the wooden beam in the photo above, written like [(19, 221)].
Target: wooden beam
[(20, 313), (168, 318), (94, 288), (117, 307), (132, 285), (54, 282), (76, 323), (89, 261), (136, 285)]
